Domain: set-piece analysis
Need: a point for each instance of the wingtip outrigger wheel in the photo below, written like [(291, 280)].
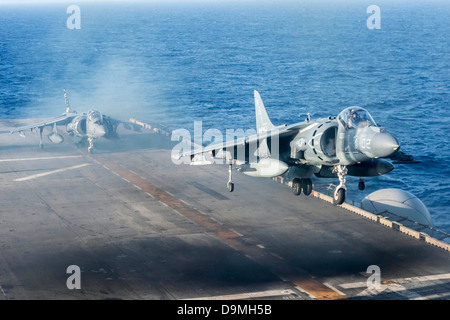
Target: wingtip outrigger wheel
[(361, 184), (339, 192), (230, 186), (41, 143), (230, 183)]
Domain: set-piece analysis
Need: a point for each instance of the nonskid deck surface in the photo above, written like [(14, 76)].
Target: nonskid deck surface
[(140, 227)]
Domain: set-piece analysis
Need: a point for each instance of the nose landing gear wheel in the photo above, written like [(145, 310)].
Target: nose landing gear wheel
[(339, 196), (339, 192), (91, 145), (230, 186)]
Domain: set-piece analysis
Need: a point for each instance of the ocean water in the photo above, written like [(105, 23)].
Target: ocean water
[(181, 62)]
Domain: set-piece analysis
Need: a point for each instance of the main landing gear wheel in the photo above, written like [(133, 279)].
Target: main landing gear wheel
[(307, 186), (230, 184), (339, 196), (296, 186), (41, 143), (302, 184)]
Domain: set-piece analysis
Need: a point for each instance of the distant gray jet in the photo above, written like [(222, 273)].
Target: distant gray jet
[(81, 127), (349, 144)]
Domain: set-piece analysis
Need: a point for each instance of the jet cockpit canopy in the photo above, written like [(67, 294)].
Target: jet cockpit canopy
[(95, 116), (356, 117)]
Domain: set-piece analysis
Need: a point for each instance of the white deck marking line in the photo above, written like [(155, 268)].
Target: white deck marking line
[(306, 292), (393, 287), (333, 288), (443, 276), (151, 196), (34, 176), (249, 295), (396, 286), (354, 285), (3, 292), (41, 158)]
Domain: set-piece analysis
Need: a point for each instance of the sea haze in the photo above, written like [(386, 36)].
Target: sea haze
[(181, 62)]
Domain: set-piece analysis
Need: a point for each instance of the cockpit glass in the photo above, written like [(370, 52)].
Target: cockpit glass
[(356, 117), (95, 117)]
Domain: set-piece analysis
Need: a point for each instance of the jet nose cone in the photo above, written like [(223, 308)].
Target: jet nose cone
[(383, 145)]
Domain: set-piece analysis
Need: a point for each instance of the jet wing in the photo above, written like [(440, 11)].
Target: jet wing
[(60, 120), (127, 124), (138, 125), (279, 132), (134, 125)]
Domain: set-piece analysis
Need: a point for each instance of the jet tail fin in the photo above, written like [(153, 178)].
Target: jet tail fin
[(66, 102), (263, 122)]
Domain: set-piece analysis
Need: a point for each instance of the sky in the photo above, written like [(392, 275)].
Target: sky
[(368, 2)]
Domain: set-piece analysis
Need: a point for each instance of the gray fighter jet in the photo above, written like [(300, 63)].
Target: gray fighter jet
[(334, 147), (87, 126)]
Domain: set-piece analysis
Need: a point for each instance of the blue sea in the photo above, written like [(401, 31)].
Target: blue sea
[(180, 62)]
